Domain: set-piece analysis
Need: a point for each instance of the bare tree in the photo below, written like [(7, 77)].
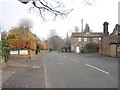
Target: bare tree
[(89, 2), (55, 41), (55, 7), (76, 29), (25, 23), (53, 33)]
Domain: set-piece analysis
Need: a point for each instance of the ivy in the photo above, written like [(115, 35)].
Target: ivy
[(6, 49)]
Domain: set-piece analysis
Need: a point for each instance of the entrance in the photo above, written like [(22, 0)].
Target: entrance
[(77, 49)]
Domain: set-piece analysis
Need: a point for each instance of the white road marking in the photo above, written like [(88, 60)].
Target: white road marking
[(97, 68), (74, 60), (46, 83), (45, 76), (36, 66), (60, 63)]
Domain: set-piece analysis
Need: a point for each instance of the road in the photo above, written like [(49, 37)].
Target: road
[(63, 70), (68, 70)]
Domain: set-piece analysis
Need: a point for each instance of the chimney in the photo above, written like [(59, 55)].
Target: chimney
[(81, 25), (105, 29)]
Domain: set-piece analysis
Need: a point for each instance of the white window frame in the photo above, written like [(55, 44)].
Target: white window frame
[(85, 39), (79, 39)]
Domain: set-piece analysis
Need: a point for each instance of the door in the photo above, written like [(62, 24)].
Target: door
[(77, 49)]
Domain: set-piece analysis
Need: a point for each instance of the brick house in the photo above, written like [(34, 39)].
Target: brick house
[(110, 43), (80, 39)]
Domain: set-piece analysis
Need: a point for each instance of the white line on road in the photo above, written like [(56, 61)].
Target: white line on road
[(60, 63), (46, 83), (74, 60), (97, 68), (45, 76)]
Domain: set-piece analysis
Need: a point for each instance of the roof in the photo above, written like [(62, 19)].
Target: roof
[(81, 34)]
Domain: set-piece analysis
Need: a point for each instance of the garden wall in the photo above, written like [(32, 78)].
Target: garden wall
[(22, 54)]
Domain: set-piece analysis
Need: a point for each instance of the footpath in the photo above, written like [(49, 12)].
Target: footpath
[(24, 73)]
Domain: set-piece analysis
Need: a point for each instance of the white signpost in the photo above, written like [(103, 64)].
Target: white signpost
[(23, 52)]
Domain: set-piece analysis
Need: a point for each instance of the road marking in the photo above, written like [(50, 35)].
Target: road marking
[(19, 65), (2, 71), (74, 60), (46, 79), (45, 76), (60, 63), (97, 68), (36, 66)]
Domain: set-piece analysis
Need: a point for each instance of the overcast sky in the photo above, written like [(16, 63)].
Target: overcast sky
[(11, 11)]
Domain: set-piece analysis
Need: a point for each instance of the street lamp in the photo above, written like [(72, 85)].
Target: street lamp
[(24, 1)]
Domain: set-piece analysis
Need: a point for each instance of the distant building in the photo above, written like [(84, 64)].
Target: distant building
[(80, 39), (110, 43)]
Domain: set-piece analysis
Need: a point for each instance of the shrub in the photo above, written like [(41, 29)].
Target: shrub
[(91, 48), (6, 49), (12, 37), (22, 44), (37, 48)]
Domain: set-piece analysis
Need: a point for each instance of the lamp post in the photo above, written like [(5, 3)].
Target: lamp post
[(24, 1)]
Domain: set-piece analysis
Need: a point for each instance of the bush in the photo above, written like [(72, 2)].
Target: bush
[(37, 48), (22, 44), (6, 49), (91, 48), (12, 37)]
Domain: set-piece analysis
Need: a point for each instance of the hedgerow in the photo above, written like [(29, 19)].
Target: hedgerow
[(22, 44)]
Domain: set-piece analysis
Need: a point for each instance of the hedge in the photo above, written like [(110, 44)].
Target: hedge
[(22, 44)]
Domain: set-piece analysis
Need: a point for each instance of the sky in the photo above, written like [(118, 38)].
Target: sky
[(11, 11)]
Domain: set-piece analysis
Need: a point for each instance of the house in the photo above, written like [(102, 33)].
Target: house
[(80, 39), (110, 43)]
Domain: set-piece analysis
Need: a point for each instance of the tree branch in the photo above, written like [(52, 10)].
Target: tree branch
[(43, 6)]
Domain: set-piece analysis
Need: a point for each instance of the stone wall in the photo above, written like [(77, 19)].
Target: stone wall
[(29, 55), (109, 43), (113, 50)]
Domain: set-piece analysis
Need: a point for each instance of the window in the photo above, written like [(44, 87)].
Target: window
[(116, 32), (99, 38), (75, 38), (85, 39), (94, 39), (79, 39), (118, 48)]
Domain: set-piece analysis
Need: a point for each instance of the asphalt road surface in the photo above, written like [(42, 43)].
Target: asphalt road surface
[(62, 70), (69, 70)]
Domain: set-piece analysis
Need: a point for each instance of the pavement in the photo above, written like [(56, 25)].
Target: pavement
[(22, 73)]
